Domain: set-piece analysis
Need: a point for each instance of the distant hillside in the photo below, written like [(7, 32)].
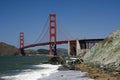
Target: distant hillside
[(6, 49), (106, 53), (43, 51), (60, 51)]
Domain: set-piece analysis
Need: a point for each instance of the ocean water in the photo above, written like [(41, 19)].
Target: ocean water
[(31, 68)]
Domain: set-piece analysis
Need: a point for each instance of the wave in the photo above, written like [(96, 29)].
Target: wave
[(34, 74)]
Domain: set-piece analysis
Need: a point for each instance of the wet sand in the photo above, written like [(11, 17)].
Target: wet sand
[(97, 73)]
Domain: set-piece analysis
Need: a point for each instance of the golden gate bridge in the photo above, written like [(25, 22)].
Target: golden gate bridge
[(75, 46)]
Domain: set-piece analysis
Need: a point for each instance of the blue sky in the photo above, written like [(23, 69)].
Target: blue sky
[(81, 18)]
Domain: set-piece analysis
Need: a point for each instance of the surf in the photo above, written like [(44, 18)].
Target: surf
[(31, 74)]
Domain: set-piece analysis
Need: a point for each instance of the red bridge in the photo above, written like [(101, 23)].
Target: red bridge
[(74, 45)]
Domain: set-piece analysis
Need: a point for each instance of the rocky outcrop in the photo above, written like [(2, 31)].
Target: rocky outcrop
[(7, 50), (56, 60), (106, 53)]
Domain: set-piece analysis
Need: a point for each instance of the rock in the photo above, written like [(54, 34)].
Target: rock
[(106, 52), (56, 60)]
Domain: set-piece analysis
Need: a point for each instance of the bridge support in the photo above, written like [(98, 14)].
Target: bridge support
[(78, 48), (52, 34), (71, 48), (74, 48), (21, 49)]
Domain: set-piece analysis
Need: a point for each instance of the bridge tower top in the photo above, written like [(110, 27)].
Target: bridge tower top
[(52, 34)]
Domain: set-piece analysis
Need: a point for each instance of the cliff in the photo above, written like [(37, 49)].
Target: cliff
[(106, 54), (7, 50)]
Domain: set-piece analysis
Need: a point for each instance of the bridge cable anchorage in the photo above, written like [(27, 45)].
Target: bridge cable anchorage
[(42, 31)]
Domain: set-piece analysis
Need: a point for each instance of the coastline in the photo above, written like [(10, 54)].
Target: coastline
[(97, 73), (74, 74)]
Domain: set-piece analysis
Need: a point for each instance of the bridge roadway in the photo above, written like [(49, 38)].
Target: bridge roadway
[(62, 42)]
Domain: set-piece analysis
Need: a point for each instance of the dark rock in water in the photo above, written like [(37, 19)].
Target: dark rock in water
[(56, 60), (7, 50)]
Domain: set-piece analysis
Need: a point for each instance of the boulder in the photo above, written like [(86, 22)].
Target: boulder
[(56, 60)]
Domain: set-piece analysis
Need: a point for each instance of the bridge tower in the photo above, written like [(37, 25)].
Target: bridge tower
[(21, 49), (21, 39), (52, 34)]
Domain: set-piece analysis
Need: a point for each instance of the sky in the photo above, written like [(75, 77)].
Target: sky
[(81, 18)]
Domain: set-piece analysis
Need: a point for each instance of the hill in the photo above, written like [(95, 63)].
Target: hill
[(6, 49), (60, 51), (43, 51), (106, 53)]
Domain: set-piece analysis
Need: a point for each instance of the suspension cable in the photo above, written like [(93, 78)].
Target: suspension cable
[(42, 31), (64, 31), (44, 35)]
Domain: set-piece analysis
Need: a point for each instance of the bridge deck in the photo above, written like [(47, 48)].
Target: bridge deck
[(62, 42)]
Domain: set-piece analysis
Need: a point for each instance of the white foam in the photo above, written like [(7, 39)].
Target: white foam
[(48, 72), (68, 75), (34, 74)]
